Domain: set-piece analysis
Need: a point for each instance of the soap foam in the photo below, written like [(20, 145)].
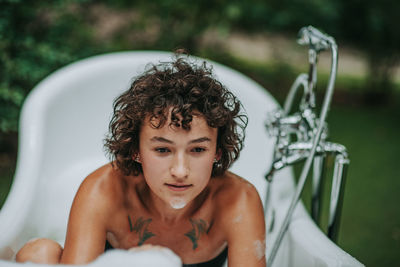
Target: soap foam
[(177, 203), (259, 249)]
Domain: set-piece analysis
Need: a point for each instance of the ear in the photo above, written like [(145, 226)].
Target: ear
[(218, 154)]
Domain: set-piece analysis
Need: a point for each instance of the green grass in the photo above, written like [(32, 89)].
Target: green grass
[(371, 218), (370, 223)]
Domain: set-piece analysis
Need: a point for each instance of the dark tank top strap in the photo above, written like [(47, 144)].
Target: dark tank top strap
[(107, 246)]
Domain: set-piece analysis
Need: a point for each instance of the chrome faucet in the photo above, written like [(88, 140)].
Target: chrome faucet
[(302, 136)]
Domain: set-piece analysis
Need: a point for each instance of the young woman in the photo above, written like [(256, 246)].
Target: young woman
[(173, 136)]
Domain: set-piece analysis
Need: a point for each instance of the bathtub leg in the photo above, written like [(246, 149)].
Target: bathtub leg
[(317, 186), (337, 193)]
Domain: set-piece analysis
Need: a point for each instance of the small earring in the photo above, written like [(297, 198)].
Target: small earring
[(137, 159), (215, 160)]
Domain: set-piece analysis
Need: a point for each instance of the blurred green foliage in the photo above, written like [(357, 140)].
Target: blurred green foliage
[(373, 27), (38, 37)]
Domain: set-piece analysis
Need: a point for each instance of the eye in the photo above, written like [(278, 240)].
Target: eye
[(198, 149), (162, 150)]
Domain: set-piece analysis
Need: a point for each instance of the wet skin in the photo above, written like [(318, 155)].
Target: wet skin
[(174, 203)]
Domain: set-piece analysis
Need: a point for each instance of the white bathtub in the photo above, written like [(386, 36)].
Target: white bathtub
[(63, 123)]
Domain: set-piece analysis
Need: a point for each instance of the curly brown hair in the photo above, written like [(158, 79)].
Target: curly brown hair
[(179, 89)]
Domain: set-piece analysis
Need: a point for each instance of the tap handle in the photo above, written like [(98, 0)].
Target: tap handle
[(313, 37)]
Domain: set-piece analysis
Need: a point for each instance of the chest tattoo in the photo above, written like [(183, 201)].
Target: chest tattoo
[(140, 227), (199, 227)]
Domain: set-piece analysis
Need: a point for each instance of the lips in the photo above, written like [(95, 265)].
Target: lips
[(178, 187)]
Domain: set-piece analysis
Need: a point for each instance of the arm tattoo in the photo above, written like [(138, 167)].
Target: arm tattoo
[(141, 228), (199, 228)]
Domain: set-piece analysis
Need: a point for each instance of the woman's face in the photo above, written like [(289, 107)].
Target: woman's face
[(177, 163)]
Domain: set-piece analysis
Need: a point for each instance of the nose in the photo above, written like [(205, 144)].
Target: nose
[(179, 167)]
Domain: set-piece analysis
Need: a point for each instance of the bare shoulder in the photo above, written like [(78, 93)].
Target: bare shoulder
[(95, 203), (241, 218), (233, 191), (102, 187)]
